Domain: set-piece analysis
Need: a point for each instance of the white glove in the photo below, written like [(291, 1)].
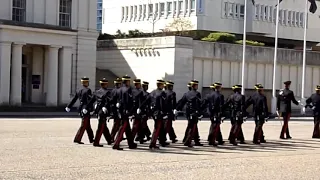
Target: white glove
[(67, 109), (117, 105), (303, 111), (84, 111), (277, 113), (95, 106), (138, 111), (104, 109), (175, 112)]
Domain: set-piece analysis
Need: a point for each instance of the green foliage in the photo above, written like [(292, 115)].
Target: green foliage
[(105, 36), (220, 37), (250, 43)]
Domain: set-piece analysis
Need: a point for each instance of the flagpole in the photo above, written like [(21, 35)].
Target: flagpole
[(304, 51), (274, 97), (244, 47)]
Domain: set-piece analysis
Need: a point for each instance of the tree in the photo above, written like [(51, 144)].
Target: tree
[(180, 25)]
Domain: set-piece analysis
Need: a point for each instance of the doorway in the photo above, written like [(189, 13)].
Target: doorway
[(24, 79)]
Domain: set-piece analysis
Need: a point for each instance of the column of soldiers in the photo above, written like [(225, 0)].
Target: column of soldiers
[(125, 103)]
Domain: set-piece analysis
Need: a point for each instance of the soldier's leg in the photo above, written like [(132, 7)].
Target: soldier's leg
[(287, 129), (135, 127), (172, 134), (284, 126), (106, 134), (189, 131), (316, 133), (256, 131), (155, 134), (219, 136), (211, 131), (129, 136), (195, 135), (115, 128), (80, 132), (90, 131), (123, 126), (100, 130), (232, 121)]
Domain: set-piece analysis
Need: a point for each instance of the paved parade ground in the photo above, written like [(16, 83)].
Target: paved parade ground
[(43, 149)]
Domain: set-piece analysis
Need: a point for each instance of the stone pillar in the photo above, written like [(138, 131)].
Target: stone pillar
[(16, 81), (5, 58), (189, 7), (52, 88), (65, 56)]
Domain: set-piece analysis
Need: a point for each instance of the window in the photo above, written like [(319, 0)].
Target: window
[(225, 9), (285, 17), (237, 10), (122, 13), (301, 19), (257, 9), (231, 5), (144, 11), (265, 14), (169, 7), (65, 13), (19, 10), (270, 13), (99, 19), (180, 7), (241, 11), (274, 15), (193, 5), (289, 17), (174, 11), (150, 10), (297, 18), (261, 12), (140, 12), (161, 9), (126, 13), (186, 5), (99, 12), (99, 6), (293, 18), (135, 12), (131, 13), (280, 16), (200, 4)]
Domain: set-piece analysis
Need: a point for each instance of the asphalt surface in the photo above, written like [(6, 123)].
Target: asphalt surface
[(43, 149)]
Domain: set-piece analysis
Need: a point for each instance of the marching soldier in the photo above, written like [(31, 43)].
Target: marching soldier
[(171, 109), (102, 97), (196, 131), (314, 102), (84, 95), (284, 99), (237, 103), (215, 102), (158, 107), (137, 97), (125, 106), (192, 100), (145, 114), (115, 94), (260, 112)]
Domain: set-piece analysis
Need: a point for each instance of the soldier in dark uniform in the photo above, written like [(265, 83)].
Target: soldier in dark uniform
[(102, 97), (158, 107), (193, 102), (260, 112), (84, 95), (125, 105), (171, 109), (237, 103), (145, 114), (186, 132), (137, 101), (284, 99), (115, 94), (215, 102), (314, 102)]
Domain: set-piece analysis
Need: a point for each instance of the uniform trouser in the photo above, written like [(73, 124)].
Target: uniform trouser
[(124, 128), (285, 126), (102, 129), (115, 128), (157, 132), (236, 132), (137, 129), (192, 131), (196, 137), (169, 128), (85, 126), (145, 131), (258, 131), (316, 131), (240, 135), (215, 131)]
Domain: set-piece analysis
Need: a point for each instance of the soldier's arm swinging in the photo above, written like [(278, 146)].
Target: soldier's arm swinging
[(182, 102), (74, 100), (294, 99)]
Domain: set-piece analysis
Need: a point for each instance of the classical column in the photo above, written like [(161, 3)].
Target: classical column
[(189, 7), (65, 58), (52, 80), (16, 81), (5, 58)]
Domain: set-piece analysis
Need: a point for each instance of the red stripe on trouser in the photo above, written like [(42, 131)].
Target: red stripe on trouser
[(98, 136), (135, 128), (191, 135), (115, 128), (120, 133), (156, 133), (82, 129)]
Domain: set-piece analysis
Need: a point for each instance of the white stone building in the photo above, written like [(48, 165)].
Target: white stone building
[(46, 46), (213, 15)]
